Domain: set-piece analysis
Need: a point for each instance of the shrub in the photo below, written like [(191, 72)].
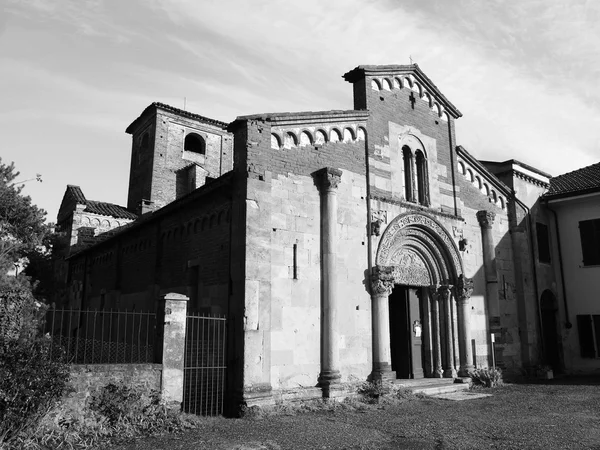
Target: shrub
[(30, 382), (376, 391), (487, 377)]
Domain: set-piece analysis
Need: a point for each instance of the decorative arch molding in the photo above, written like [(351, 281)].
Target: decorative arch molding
[(418, 251)]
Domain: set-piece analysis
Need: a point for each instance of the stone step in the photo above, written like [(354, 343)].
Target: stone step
[(433, 386)]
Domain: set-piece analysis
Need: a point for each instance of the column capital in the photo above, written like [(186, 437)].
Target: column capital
[(382, 280), (463, 288), (486, 218), (327, 179), (444, 291)]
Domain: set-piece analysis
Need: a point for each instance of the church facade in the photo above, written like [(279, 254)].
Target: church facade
[(344, 245)]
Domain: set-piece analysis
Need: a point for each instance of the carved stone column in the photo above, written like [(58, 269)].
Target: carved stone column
[(437, 371), (462, 293), (426, 323), (444, 295), (327, 180), (382, 283), (486, 220)]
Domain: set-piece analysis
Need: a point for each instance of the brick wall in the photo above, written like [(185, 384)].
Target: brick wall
[(185, 250), (154, 170)]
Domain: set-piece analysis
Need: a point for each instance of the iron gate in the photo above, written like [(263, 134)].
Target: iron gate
[(204, 368)]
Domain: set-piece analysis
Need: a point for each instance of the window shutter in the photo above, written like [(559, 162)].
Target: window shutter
[(596, 320), (586, 336), (589, 231)]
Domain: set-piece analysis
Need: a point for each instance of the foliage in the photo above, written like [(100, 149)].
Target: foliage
[(115, 412), (376, 391), (22, 227), (30, 382), (487, 377)]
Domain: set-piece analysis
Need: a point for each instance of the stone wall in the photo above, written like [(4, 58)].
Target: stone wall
[(87, 380), (282, 273)]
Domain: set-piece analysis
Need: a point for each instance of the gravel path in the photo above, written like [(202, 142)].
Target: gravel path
[(556, 415)]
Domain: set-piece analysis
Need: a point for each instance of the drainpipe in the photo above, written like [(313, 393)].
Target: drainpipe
[(532, 254), (568, 323)]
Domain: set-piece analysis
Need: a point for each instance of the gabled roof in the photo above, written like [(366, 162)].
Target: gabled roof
[(392, 69), (581, 181), (180, 112), (306, 117), (74, 196)]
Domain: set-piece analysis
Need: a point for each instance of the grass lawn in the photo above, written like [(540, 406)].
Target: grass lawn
[(554, 415)]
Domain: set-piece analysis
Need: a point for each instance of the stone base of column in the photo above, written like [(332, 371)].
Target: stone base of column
[(329, 377), (382, 372), (438, 373), (465, 370), (450, 373)]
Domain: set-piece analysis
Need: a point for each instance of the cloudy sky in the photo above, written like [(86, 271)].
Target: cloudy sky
[(74, 73)]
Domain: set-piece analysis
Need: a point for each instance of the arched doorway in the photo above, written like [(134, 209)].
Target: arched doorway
[(549, 307), (422, 263)]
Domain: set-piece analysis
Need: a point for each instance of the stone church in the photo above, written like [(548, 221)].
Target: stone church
[(343, 245)]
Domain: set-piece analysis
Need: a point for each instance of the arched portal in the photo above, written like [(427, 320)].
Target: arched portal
[(420, 251), (421, 268)]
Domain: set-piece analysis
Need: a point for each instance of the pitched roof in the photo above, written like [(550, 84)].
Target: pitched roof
[(109, 209), (180, 112), (74, 196), (580, 181), (392, 69)]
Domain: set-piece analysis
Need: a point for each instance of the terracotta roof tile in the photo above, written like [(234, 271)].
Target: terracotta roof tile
[(109, 209), (579, 181)]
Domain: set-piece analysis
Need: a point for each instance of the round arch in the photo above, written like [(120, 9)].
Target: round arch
[(420, 251)]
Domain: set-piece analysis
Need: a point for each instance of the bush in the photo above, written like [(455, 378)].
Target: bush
[(487, 377), (30, 384), (376, 391)]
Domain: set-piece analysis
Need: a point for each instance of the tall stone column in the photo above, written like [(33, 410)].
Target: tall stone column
[(435, 332), (486, 220), (444, 295), (327, 180), (382, 283), (462, 294)]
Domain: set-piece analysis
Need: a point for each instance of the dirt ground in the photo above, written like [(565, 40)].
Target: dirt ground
[(559, 414)]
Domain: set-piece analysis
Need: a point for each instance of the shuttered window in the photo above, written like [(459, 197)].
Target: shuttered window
[(590, 241), (589, 335)]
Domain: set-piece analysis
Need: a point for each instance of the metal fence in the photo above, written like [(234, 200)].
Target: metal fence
[(205, 364), (102, 336)]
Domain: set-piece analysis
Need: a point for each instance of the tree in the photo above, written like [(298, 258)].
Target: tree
[(22, 224)]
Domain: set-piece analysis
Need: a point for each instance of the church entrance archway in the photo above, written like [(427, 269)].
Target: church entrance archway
[(418, 329), (549, 306)]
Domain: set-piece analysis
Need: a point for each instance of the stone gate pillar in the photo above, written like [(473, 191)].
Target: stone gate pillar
[(382, 283), (327, 180), (462, 293)]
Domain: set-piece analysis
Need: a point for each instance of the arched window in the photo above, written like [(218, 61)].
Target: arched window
[(195, 143), (422, 184), (408, 176)]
